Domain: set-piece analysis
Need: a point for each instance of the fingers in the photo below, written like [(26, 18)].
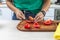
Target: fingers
[(39, 18), (18, 17), (21, 15), (36, 16)]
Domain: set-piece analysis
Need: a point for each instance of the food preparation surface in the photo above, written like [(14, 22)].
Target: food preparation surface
[(42, 27)]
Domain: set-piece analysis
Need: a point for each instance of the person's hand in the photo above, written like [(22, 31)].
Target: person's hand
[(19, 14), (39, 17)]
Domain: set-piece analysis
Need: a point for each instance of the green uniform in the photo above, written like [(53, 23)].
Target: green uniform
[(32, 5)]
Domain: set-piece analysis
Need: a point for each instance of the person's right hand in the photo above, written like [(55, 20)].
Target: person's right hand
[(19, 14)]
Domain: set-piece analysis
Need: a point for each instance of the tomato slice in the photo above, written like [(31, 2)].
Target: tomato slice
[(48, 22), (27, 26), (36, 25)]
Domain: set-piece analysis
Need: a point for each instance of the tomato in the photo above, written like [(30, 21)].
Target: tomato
[(31, 18), (36, 25), (27, 26), (48, 22)]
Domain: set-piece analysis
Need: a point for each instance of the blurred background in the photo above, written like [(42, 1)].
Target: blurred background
[(6, 13)]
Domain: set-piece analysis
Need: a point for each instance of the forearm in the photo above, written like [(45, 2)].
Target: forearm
[(11, 6), (46, 5)]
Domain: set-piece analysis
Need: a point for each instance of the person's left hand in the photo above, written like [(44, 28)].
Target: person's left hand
[(39, 17)]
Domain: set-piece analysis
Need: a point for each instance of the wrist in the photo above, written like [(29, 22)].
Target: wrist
[(43, 12), (17, 10)]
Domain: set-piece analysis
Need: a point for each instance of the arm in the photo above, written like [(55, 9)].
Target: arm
[(10, 5), (19, 13), (46, 5), (40, 15)]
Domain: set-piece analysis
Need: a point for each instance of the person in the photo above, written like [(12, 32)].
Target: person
[(25, 8)]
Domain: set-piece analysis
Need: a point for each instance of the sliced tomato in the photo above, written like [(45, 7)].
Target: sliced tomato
[(48, 22), (36, 25), (27, 26)]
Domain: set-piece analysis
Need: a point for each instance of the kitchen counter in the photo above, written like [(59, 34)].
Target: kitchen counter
[(8, 31)]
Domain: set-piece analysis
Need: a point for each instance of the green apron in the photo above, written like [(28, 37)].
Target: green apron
[(31, 5)]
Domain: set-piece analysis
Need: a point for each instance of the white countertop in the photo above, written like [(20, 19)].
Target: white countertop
[(10, 32)]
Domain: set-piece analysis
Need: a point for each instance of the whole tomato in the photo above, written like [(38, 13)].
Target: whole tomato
[(31, 18)]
